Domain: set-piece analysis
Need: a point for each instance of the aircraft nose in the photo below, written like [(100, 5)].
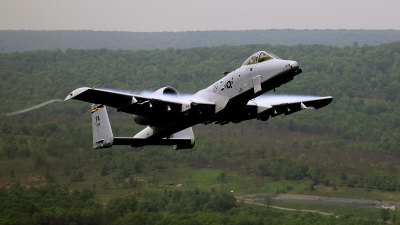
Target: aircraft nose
[(295, 65)]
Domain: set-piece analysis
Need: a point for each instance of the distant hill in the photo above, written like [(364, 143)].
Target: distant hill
[(27, 40)]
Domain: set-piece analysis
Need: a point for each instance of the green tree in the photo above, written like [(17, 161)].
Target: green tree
[(105, 185), (318, 174), (221, 177), (268, 200), (343, 177), (12, 173), (122, 206), (312, 186), (385, 215)]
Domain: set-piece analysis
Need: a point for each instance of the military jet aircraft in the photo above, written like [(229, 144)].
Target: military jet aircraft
[(169, 117)]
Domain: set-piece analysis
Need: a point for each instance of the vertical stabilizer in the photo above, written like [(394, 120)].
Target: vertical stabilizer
[(102, 133)]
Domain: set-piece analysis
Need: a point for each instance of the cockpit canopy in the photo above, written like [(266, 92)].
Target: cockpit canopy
[(260, 56)]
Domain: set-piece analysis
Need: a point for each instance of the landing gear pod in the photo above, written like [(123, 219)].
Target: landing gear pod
[(184, 134)]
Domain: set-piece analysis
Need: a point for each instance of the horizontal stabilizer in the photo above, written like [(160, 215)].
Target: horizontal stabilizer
[(103, 135), (139, 142), (183, 139)]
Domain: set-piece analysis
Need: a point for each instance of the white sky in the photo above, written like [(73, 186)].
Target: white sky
[(190, 15)]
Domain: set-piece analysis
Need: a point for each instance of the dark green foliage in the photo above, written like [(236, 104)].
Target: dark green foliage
[(385, 215), (246, 215), (312, 186), (268, 200), (374, 180), (365, 111), (282, 167), (318, 174), (362, 80), (104, 170), (343, 177), (122, 206), (77, 176), (139, 218), (50, 178), (363, 116), (12, 173), (105, 185), (188, 202), (221, 177), (348, 216), (49, 205)]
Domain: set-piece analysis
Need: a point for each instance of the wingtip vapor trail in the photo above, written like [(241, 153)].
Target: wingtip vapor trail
[(33, 107)]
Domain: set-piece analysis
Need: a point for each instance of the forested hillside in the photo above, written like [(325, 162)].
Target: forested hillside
[(27, 40), (364, 81), (352, 144)]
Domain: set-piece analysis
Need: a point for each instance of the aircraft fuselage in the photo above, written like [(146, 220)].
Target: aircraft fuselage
[(229, 93), (246, 83), (169, 117)]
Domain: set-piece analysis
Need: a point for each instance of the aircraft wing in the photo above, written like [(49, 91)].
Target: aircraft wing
[(276, 105), (147, 106)]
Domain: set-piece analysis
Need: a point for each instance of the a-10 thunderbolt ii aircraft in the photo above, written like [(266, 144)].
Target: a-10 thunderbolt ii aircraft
[(170, 117)]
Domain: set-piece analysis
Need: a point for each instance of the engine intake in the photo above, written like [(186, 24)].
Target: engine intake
[(168, 91)]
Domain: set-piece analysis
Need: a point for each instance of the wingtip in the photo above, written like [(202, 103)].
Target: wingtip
[(75, 93), (68, 97)]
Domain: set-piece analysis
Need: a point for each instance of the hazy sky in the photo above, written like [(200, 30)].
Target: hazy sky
[(189, 15)]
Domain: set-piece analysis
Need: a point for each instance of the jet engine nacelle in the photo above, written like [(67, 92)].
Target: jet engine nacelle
[(167, 92), (263, 116)]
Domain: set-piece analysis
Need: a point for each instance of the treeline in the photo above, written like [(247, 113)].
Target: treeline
[(52, 205), (289, 169), (29, 40)]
